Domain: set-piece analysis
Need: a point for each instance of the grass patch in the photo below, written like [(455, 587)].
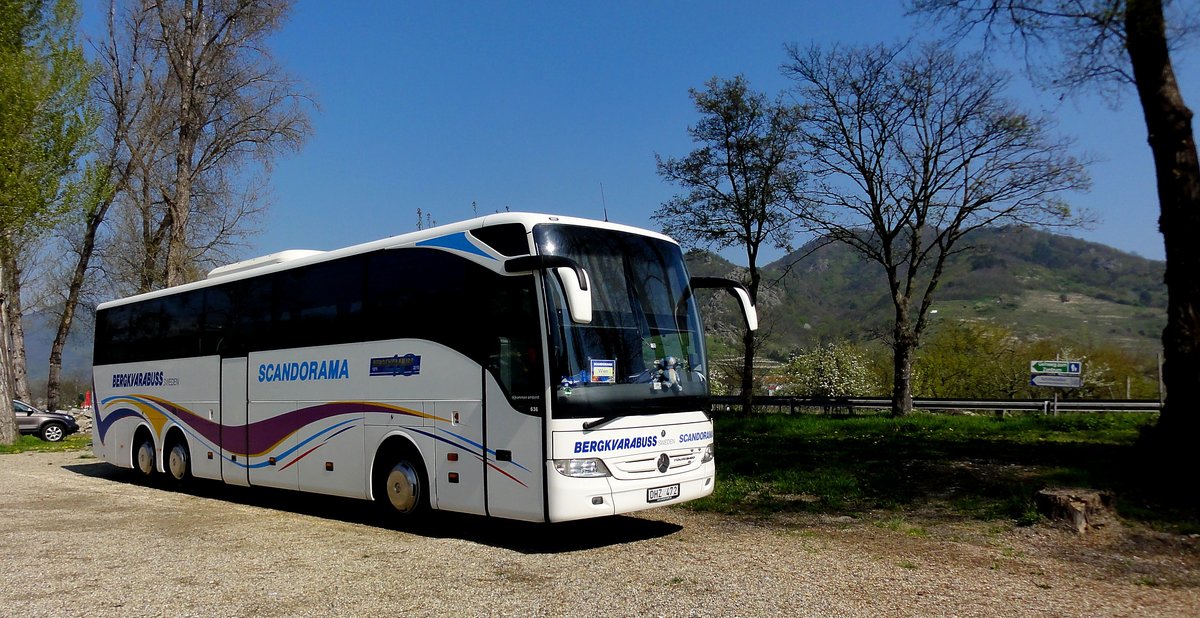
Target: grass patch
[(976, 467), (32, 444)]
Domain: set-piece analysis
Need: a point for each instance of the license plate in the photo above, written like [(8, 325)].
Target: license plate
[(662, 494)]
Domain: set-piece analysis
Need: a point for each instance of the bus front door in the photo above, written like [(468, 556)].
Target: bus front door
[(516, 456)]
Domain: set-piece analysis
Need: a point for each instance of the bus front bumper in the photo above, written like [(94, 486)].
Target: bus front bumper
[(579, 498)]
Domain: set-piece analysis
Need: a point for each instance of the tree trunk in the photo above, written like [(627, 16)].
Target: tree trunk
[(902, 356), (748, 340), (179, 205), (1177, 171), (54, 379), (185, 75), (15, 331), (8, 419), (748, 372)]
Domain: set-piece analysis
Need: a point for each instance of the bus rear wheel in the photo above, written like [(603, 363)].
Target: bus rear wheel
[(401, 487), (179, 463), (143, 457)]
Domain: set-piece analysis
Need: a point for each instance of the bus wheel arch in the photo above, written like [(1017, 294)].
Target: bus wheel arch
[(144, 457), (177, 459), (399, 482)]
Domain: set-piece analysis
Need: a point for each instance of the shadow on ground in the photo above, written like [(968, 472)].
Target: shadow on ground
[(850, 468), (523, 537)]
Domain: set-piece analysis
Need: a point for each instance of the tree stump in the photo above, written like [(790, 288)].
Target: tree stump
[(1080, 509)]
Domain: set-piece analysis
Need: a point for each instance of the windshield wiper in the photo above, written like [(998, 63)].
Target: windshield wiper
[(600, 421)]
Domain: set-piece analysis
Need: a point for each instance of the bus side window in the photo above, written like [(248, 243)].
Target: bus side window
[(216, 330), (181, 315), (250, 316), (146, 329), (328, 302), (114, 336)]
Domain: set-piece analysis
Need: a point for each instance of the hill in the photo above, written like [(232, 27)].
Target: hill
[(1037, 284)]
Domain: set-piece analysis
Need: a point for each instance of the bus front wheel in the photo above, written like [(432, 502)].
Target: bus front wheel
[(401, 486)]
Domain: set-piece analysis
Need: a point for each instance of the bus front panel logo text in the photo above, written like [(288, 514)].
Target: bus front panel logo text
[(600, 446)]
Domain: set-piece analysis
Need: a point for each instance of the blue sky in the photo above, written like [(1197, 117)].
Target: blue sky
[(534, 106)]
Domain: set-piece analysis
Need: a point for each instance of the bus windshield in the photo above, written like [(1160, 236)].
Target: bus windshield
[(643, 352)]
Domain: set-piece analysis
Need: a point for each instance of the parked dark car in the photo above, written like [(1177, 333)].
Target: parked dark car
[(49, 426)]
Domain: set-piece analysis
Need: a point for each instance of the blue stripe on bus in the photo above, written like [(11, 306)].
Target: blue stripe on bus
[(457, 242)]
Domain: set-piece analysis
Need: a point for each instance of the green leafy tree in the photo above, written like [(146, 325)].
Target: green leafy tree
[(738, 182), (980, 360), (44, 130), (972, 360)]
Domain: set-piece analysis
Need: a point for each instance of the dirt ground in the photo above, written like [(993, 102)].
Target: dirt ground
[(86, 539)]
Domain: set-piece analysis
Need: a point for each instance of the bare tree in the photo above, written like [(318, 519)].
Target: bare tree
[(738, 182), (190, 97), (124, 89), (912, 150), (232, 102), (1117, 43)]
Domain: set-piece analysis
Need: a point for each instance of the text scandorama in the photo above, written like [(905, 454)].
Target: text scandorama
[(336, 369)]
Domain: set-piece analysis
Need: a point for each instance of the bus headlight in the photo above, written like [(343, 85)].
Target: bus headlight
[(585, 468), (708, 453)]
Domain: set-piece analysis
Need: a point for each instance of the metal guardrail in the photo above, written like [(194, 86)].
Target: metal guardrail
[(1046, 406)]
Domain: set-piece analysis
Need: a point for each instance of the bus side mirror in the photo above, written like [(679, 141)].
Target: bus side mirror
[(574, 280), (739, 292), (579, 295)]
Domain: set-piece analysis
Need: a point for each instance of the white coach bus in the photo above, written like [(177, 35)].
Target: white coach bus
[(517, 365)]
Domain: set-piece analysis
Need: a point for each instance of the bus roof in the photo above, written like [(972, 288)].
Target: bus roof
[(293, 258)]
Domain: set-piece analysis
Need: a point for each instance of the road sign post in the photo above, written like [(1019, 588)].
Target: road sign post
[(1056, 374)]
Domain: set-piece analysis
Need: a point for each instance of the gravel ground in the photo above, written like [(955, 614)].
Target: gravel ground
[(84, 539)]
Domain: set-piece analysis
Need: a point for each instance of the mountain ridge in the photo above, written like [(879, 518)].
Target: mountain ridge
[(1035, 283)]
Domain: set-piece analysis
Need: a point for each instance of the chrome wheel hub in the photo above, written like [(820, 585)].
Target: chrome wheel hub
[(145, 458), (177, 462), (403, 487)]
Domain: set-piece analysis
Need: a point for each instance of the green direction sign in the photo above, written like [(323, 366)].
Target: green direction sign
[(1069, 368)]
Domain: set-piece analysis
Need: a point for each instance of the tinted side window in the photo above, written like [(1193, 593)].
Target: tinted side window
[(250, 316), (109, 344), (217, 326), (180, 330), (422, 293), (321, 304), (509, 239), (129, 333)]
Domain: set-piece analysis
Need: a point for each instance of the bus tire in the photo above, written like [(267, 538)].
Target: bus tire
[(179, 461), (143, 455), (400, 484)]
